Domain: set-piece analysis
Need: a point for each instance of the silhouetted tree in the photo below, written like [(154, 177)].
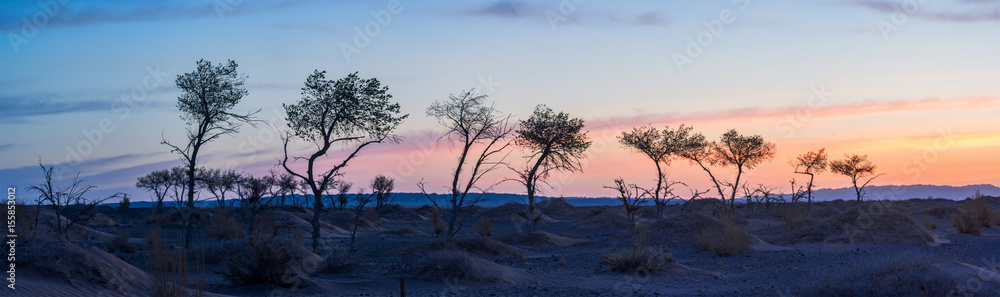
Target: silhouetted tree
[(481, 133), (207, 96), (159, 182), (350, 110), (731, 150), (68, 202), (251, 190), (555, 142), (343, 189), (810, 164), (661, 147), (382, 187), (219, 182), (858, 168), (282, 184)]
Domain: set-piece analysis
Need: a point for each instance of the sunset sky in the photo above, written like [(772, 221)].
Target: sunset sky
[(916, 86)]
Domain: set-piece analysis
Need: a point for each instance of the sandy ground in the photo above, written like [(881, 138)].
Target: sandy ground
[(835, 239)]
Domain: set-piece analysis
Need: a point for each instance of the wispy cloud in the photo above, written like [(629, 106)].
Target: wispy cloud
[(20, 108), (969, 12), (79, 13), (524, 10)]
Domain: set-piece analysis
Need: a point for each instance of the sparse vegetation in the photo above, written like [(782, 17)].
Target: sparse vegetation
[(977, 215), (794, 217), (484, 227), (726, 239), (640, 258)]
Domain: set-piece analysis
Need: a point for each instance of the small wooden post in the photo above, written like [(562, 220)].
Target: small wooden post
[(402, 288)]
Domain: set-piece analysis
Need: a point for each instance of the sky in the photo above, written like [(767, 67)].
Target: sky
[(88, 86)]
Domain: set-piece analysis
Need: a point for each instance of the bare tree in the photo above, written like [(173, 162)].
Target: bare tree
[(159, 182), (555, 142), (284, 185), (68, 202), (219, 182), (810, 164), (731, 150), (480, 131), (207, 96), (631, 196), (343, 189), (251, 190), (382, 187), (858, 168), (350, 110), (360, 200), (661, 147)]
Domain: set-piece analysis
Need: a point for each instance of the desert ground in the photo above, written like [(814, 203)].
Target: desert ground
[(916, 247)]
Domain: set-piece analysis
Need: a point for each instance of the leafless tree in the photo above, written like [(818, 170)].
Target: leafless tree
[(360, 200), (859, 169), (661, 147), (68, 202), (343, 190), (632, 198), (347, 111), (282, 185), (208, 95), (810, 164), (731, 150), (252, 190), (481, 132), (555, 142), (382, 187)]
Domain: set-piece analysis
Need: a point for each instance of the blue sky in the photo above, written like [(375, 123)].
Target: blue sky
[(610, 63)]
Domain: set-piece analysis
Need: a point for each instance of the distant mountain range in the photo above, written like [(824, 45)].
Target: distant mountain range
[(872, 192)]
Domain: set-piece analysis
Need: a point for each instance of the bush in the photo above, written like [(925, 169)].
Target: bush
[(223, 226), (967, 223), (794, 217), (640, 258), (267, 259), (977, 215), (119, 243), (438, 222), (125, 203), (484, 227), (981, 211), (726, 239), (926, 222)]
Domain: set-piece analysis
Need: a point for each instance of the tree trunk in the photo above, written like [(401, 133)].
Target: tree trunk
[(317, 207)]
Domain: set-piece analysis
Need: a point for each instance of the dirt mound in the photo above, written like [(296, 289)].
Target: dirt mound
[(681, 228), (603, 217), (557, 207), (474, 245), (99, 219), (937, 211), (345, 219), (405, 232), (397, 212), (540, 238), (67, 267), (47, 226), (290, 223), (824, 212), (707, 206), (506, 212), (866, 224), (452, 264)]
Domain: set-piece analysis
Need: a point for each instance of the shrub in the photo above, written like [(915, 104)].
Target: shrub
[(119, 243), (168, 269), (725, 239), (794, 217), (125, 203), (371, 215), (438, 222), (223, 226), (981, 211), (484, 227), (265, 259), (640, 258), (965, 222), (926, 222)]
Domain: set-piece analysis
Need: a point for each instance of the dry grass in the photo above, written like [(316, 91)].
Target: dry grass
[(119, 244), (640, 258), (794, 217), (168, 270), (724, 240), (264, 258), (977, 215), (484, 227), (223, 226), (439, 227)]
